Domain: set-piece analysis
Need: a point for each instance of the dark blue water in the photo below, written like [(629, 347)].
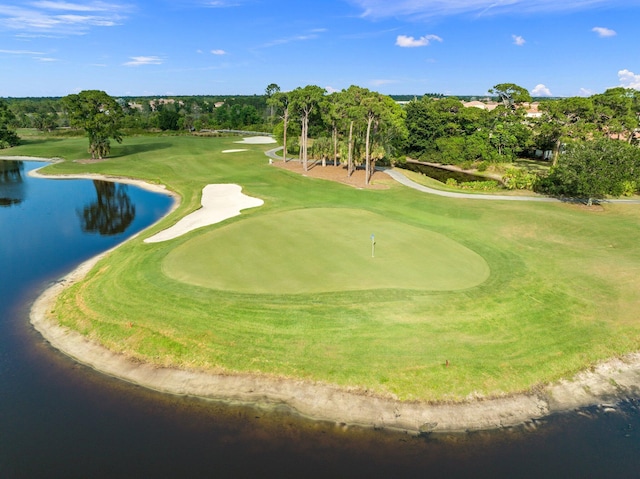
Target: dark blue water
[(62, 420)]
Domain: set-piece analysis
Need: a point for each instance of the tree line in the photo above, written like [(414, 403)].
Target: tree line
[(359, 127), (175, 113)]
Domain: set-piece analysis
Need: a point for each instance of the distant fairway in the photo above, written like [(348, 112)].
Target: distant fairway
[(321, 250)]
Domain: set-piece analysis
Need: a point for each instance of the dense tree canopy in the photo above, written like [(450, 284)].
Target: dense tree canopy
[(511, 94), (595, 169), (443, 130), (99, 115), (168, 119), (8, 136)]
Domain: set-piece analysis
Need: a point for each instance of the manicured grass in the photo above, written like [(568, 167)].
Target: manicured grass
[(563, 289), (314, 250)]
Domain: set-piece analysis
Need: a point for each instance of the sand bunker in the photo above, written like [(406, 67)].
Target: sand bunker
[(257, 140), (219, 202), (234, 151)]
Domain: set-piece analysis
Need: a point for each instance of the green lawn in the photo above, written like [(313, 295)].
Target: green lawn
[(314, 250), (512, 294)]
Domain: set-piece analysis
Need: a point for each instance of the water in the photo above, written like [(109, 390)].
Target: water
[(60, 419), (442, 174)]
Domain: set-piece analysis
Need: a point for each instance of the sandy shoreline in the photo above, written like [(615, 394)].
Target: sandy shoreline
[(607, 383)]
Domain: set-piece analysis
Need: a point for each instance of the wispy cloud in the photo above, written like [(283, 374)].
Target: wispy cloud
[(59, 17), (34, 55), (411, 42), (20, 52), (139, 61), (218, 52), (296, 38), (604, 32), (518, 40), (628, 79), (74, 7), (418, 9), (220, 4)]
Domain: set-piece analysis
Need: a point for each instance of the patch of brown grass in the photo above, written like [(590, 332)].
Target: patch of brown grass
[(379, 181)]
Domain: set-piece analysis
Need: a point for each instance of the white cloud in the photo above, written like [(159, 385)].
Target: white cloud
[(604, 32), (540, 90), (61, 18), (138, 61), (417, 9), (586, 92), (629, 79), (410, 42), (331, 89), (518, 40), (218, 52)]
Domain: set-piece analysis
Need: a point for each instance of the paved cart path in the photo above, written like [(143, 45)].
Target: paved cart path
[(402, 179)]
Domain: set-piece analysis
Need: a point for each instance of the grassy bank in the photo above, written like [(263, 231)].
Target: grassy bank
[(511, 294)]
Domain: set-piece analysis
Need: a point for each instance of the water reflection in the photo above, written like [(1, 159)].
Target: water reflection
[(111, 213), (441, 174), (12, 186)]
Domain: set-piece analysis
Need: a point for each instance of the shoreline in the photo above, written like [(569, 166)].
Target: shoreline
[(606, 383)]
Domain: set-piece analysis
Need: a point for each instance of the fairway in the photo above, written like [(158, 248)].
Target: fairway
[(511, 294), (324, 250)]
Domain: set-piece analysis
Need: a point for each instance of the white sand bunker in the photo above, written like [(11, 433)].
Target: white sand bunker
[(219, 202), (257, 140), (234, 151)]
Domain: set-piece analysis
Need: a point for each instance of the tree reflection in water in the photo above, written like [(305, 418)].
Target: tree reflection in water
[(12, 187), (111, 213)]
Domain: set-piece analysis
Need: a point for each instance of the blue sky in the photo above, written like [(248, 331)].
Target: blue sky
[(227, 47)]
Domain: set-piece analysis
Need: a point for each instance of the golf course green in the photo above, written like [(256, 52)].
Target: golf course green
[(323, 250), (457, 298)]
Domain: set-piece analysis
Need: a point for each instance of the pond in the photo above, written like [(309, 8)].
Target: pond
[(60, 419), (442, 174)]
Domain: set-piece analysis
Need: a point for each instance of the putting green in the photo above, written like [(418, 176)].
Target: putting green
[(323, 250)]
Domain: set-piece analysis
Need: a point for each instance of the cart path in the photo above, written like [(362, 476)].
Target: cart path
[(402, 179)]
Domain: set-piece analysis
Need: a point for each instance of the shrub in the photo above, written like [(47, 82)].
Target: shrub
[(466, 165), (488, 185), (517, 179), (483, 165), (400, 161), (629, 188)]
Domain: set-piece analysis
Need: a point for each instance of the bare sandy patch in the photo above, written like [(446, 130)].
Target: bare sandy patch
[(338, 173), (234, 151), (257, 140), (219, 202), (27, 158)]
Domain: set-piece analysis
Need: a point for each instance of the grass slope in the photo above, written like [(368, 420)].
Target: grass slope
[(563, 289)]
